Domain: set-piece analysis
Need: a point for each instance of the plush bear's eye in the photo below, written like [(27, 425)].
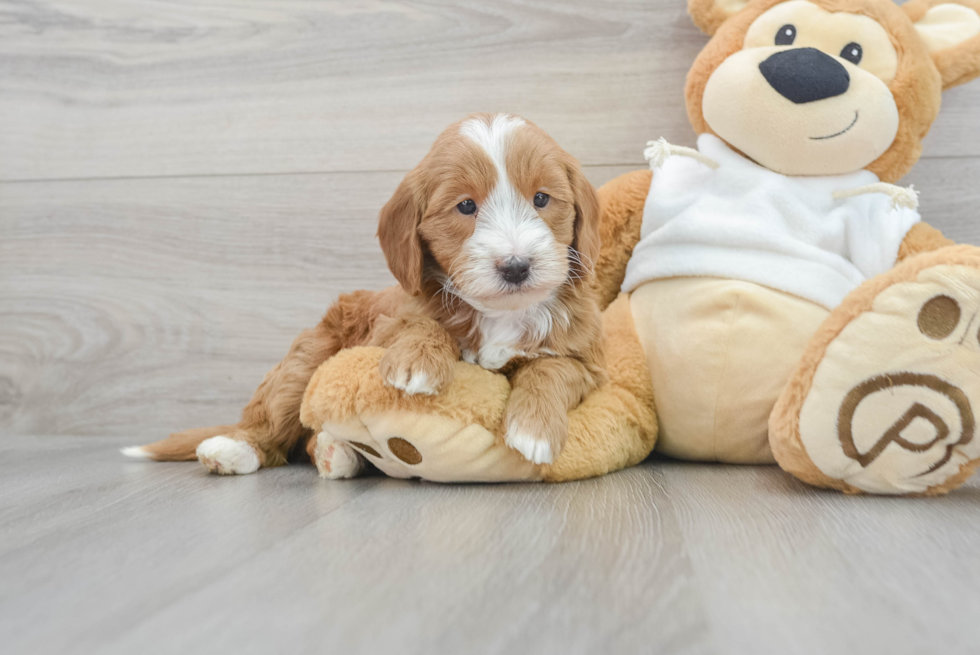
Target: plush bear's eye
[(852, 52), (786, 35), (467, 207)]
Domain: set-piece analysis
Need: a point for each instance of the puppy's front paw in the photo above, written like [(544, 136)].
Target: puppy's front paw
[(537, 440), (415, 373), (534, 449)]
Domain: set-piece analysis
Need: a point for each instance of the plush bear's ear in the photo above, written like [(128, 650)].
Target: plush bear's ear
[(710, 14), (950, 30)]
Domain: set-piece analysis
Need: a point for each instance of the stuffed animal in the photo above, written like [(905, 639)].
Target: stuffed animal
[(770, 296)]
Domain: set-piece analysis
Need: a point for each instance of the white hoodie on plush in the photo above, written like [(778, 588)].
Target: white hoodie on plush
[(742, 221)]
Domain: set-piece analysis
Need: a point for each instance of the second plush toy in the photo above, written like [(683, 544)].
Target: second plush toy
[(781, 299)]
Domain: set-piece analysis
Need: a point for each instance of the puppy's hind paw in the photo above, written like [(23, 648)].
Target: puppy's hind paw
[(226, 456), (336, 460)]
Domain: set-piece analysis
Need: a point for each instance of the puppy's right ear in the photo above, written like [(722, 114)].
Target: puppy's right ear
[(710, 14), (398, 231)]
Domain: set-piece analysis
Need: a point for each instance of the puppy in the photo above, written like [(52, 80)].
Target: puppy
[(491, 238)]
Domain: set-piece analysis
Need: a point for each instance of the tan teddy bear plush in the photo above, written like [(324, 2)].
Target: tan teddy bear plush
[(771, 296)]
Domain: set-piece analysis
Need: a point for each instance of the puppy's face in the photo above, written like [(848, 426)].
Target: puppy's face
[(497, 213)]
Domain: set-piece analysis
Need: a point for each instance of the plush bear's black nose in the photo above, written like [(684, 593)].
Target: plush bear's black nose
[(514, 270), (805, 74)]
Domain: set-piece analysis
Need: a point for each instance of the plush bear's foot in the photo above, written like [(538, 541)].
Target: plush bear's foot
[(335, 460), (226, 456), (885, 399)]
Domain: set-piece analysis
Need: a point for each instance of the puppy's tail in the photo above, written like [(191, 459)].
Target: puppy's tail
[(178, 447)]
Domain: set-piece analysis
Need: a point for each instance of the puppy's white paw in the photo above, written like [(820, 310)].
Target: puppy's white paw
[(336, 460), (412, 383), (226, 456), (494, 357), (534, 449)]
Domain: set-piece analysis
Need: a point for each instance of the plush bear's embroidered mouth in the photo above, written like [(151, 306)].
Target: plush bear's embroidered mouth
[(800, 111), (845, 130)]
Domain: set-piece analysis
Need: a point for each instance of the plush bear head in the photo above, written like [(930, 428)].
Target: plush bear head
[(826, 87)]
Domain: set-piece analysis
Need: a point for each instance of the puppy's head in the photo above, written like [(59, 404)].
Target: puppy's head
[(496, 213)]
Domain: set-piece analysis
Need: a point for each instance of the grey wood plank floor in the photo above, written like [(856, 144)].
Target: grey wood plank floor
[(101, 554), (186, 184)]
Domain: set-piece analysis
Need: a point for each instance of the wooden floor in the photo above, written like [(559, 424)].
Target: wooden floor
[(185, 184), (104, 555)]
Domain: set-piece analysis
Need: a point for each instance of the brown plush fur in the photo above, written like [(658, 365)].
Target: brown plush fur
[(707, 15), (613, 428), (959, 64), (916, 86), (784, 423), (349, 385), (622, 201), (922, 238), (615, 425)]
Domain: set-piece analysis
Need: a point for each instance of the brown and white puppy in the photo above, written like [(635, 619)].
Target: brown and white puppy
[(492, 238), (493, 235)]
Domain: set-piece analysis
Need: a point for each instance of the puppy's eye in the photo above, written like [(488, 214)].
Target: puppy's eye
[(852, 52), (467, 207), (541, 200), (786, 35)]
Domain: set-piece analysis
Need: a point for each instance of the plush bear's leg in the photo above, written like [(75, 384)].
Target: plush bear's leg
[(458, 434), (886, 397), (615, 426)]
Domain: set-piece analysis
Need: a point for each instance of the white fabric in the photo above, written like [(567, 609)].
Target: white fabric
[(744, 222)]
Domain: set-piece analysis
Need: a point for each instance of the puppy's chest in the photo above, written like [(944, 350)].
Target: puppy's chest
[(498, 338)]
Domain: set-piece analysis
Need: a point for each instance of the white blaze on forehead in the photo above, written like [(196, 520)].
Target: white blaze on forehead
[(493, 138), (507, 224)]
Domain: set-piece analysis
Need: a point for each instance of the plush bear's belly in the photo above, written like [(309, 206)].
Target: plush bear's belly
[(719, 353)]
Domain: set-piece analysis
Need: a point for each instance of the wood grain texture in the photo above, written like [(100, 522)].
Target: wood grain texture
[(810, 572), (142, 88), (180, 561), (141, 306), (108, 555), (185, 185)]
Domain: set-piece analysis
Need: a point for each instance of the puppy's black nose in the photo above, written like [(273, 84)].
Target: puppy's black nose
[(805, 75), (514, 270)]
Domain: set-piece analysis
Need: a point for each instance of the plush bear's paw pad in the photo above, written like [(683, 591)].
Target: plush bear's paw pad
[(534, 449), (336, 460), (892, 406), (226, 456)]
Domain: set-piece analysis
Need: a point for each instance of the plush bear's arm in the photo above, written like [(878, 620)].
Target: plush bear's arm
[(922, 238), (622, 201)]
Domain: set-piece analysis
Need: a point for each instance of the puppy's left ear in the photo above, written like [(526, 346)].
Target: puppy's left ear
[(950, 30), (586, 242), (398, 232)]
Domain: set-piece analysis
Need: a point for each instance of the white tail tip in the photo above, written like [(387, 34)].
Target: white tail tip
[(137, 452)]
